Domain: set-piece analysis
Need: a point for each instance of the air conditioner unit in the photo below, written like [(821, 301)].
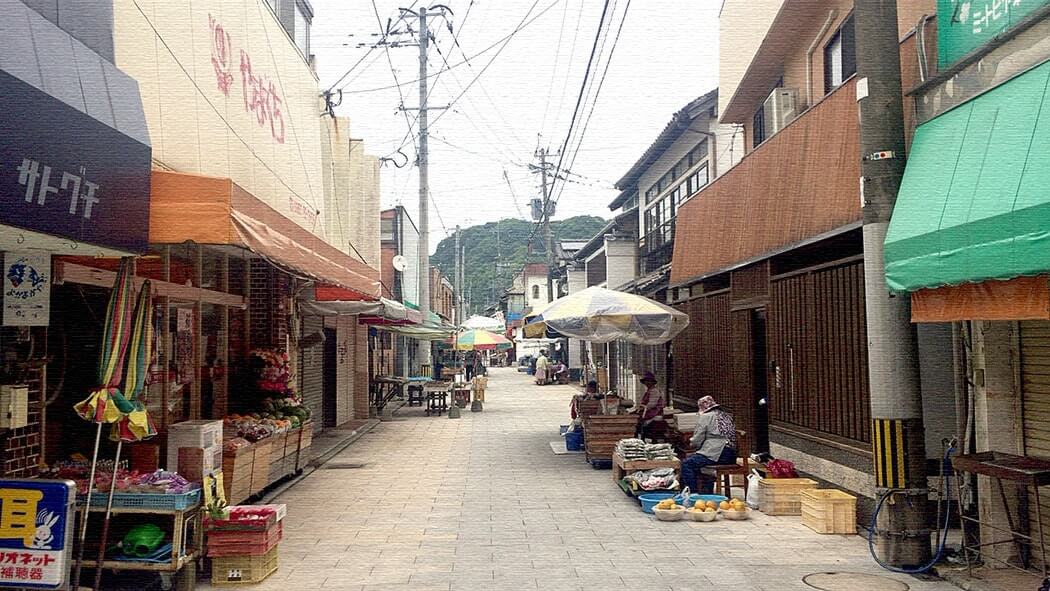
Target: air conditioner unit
[(780, 108)]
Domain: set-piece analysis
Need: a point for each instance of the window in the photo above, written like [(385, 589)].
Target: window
[(386, 230), (840, 56), (535, 292), (302, 29)]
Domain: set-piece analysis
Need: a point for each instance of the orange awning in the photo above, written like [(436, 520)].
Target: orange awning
[(211, 210), (1023, 298)]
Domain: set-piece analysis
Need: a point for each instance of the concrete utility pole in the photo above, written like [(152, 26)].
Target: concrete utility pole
[(893, 356), (547, 225), (458, 281)]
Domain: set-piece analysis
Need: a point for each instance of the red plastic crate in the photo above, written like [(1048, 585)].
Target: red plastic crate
[(243, 543)]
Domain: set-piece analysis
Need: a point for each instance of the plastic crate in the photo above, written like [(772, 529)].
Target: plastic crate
[(243, 543), (236, 570), (782, 496), (829, 511), (179, 502)]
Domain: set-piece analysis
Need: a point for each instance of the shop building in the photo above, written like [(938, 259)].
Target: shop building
[(75, 155), (967, 243), (768, 257)]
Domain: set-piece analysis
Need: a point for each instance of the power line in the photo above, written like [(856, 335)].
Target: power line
[(554, 70), (594, 102), (478, 54), (506, 41)]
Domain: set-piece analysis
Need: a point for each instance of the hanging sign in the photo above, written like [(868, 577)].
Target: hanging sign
[(27, 288), (36, 527)]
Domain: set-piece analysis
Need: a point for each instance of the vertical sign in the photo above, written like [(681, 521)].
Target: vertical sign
[(27, 288), (36, 527)]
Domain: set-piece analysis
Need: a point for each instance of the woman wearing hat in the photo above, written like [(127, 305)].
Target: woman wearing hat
[(651, 405), (714, 440)]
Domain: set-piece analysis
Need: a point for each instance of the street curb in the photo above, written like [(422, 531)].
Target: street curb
[(320, 460)]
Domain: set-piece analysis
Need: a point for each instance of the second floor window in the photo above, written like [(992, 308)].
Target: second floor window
[(535, 292), (302, 29), (840, 56)]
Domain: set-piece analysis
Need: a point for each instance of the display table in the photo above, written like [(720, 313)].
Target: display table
[(383, 389), (250, 470), (1023, 471), (622, 467)]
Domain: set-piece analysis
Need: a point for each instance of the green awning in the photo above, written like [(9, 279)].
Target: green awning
[(975, 200)]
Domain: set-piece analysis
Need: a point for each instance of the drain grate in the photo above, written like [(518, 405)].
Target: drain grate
[(344, 465), (853, 582)]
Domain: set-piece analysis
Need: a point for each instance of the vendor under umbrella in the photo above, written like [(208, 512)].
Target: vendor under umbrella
[(651, 406)]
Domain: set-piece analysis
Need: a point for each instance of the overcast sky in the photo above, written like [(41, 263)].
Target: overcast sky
[(666, 56)]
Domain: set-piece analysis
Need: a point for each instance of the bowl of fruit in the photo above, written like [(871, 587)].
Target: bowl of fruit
[(703, 511), (734, 509), (668, 510)]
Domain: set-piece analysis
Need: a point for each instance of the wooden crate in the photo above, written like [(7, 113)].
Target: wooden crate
[(261, 465), (782, 496), (602, 432), (622, 467), (304, 455), (237, 474), (828, 511), (278, 444)]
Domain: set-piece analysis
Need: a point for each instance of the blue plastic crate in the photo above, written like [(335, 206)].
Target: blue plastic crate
[(174, 502)]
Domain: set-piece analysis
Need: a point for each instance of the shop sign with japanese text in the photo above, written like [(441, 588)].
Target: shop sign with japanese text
[(64, 173), (27, 288), (36, 526), (965, 25)]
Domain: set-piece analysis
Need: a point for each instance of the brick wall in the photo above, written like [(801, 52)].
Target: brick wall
[(22, 446), (268, 291)]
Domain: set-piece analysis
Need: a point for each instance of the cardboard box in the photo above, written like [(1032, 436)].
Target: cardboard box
[(203, 434), (197, 462)]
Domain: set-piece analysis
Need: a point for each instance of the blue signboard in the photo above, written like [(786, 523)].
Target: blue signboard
[(64, 173), (36, 527)]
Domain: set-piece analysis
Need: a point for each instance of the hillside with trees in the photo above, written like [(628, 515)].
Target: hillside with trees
[(505, 244)]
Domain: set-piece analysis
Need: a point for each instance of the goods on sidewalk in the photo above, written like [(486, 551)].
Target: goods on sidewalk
[(829, 511), (668, 510), (782, 496), (632, 449), (735, 509), (659, 479), (243, 543), (703, 511)]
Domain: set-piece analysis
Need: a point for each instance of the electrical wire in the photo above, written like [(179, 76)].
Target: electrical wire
[(478, 54)]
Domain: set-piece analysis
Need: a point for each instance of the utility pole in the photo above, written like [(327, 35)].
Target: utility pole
[(896, 398), (547, 225), (459, 281)]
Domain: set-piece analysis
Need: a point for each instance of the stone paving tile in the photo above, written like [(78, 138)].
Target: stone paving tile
[(481, 503)]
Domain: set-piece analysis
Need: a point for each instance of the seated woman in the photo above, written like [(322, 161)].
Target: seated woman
[(590, 393), (651, 406), (714, 440)]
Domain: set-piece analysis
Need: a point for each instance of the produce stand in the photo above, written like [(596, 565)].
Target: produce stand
[(249, 470), (1023, 471), (622, 467), (186, 536)]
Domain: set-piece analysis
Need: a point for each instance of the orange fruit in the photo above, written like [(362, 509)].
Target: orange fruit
[(724, 505)]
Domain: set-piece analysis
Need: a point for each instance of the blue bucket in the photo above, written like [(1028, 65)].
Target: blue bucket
[(651, 499), (716, 498), (574, 441)]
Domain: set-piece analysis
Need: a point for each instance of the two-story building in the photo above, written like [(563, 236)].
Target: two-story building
[(768, 258)]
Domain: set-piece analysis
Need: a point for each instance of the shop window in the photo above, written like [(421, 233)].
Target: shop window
[(237, 276), (535, 292), (182, 269), (213, 272), (840, 58)]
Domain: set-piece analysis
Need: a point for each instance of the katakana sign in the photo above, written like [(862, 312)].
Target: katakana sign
[(36, 526), (965, 25), (64, 173)]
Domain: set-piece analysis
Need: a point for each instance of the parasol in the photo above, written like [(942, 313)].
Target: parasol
[(603, 315), (479, 340), (102, 405)]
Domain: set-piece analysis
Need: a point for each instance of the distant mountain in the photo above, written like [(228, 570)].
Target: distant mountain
[(507, 242)]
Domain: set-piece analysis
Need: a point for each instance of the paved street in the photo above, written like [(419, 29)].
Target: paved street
[(482, 503)]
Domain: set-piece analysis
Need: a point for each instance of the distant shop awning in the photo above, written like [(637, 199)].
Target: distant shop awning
[(210, 210), (974, 205), (378, 312)]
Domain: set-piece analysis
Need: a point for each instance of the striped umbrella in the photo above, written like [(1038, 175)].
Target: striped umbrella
[(479, 340), (137, 425), (602, 315)]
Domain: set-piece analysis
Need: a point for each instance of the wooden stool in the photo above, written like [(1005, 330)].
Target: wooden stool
[(415, 395), (723, 473)]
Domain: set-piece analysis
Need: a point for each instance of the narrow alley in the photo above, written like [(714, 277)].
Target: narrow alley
[(481, 503)]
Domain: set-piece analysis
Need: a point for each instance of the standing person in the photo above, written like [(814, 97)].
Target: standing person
[(468, 364), (714, 440), (652, 404), (542, 363)]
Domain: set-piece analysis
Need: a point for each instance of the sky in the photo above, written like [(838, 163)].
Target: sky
[(516, 97)]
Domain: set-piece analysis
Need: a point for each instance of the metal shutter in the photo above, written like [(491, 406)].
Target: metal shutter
[(311, 372), (1035, 389)]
